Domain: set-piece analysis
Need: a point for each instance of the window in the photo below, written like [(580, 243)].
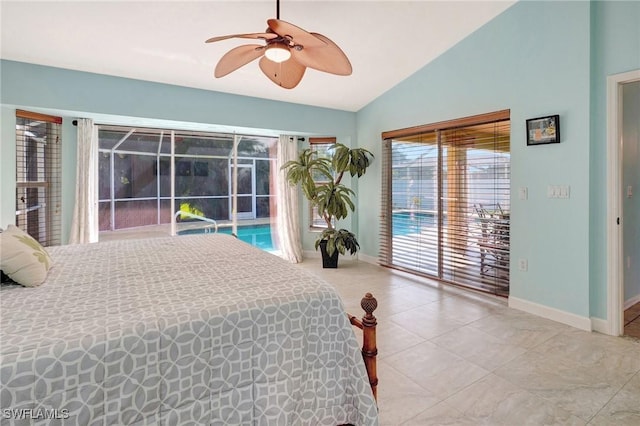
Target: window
[(446, 201), (320, 146), (135, 176), (38, 176)]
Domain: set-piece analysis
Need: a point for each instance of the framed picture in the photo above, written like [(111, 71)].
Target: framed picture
[(543, 130)]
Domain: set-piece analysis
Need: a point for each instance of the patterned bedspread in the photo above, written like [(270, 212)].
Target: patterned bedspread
[(198, 329)]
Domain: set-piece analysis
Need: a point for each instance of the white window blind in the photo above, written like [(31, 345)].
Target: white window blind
[(38, 176), (445, 201)]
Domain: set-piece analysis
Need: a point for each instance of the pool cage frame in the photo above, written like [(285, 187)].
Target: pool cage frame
[(234, 162)]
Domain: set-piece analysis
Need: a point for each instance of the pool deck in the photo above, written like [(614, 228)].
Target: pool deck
[(164, 230)]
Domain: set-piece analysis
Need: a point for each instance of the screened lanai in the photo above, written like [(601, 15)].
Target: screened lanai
[(151, 176)]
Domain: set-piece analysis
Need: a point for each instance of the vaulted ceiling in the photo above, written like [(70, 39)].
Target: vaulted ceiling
[(163, 41)]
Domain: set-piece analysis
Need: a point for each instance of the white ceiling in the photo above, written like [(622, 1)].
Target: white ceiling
[(163, 41)]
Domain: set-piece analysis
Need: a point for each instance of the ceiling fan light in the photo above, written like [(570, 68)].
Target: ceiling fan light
[(277, 52)]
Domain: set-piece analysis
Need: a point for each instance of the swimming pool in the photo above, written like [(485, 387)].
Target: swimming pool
[(405, 223), (256, 235)]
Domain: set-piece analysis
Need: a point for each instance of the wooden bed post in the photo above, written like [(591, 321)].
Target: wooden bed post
[(369, 349)]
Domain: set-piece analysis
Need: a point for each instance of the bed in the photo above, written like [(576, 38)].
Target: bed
[(196, 329)]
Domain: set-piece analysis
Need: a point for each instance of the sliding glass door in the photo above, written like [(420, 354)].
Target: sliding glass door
[(415, 214), (446, 203)]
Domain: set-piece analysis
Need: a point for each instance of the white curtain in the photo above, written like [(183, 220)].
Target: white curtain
[(84, 227), (288, 217)]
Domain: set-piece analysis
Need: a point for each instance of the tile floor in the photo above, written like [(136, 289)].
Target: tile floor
[(632, 321), (453, 357)]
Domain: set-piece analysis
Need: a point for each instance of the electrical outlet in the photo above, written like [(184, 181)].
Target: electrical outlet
[(523, 265)]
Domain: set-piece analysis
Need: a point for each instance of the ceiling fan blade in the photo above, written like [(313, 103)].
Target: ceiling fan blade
[(329, 59), (297, 34), (285, 74), (264, 36), (237, 57)]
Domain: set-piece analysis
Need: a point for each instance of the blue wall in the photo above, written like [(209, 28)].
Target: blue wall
[(534, 67), (60, 89)]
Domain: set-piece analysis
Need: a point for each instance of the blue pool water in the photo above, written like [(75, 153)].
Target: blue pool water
[(405, 223), (256, 235)]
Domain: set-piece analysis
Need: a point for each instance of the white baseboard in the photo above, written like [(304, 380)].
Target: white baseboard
[(600, 325), (629, 303), (315, 254), (369, 259), (577, 321), (311, 254)]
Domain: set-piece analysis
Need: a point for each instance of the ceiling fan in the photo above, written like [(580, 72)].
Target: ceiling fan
[(287, 52)]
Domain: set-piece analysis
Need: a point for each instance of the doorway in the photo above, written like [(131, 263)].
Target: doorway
[(623, 184), (246, 192)]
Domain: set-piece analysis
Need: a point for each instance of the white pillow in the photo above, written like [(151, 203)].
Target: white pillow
[(22, 258)]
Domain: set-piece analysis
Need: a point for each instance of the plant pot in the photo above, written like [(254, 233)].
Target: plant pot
[(328, 261)]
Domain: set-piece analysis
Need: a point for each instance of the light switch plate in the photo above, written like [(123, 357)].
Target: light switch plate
[(558, 191), (523, 193)]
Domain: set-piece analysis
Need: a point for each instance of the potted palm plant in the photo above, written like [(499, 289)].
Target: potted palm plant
[(321, 182)]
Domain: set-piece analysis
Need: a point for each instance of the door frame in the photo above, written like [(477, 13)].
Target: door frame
[(615, 269), (244, 215)]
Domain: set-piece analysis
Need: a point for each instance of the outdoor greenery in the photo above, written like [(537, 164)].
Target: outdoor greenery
[(321, 182)]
